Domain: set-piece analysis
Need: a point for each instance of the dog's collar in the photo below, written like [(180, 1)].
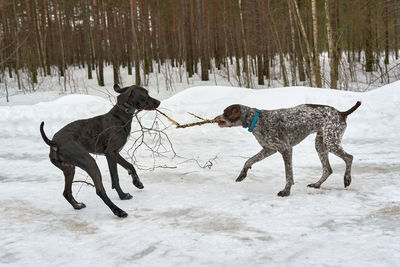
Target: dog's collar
[(125, 107), (253, 123)]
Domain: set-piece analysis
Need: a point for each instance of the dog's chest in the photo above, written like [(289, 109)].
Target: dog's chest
[(268, 138), (126, 133), (116, 138)]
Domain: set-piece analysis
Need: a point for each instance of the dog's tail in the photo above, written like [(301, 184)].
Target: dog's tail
[(46, 140), (348, 112)]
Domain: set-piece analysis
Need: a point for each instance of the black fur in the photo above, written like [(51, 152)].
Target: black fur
[(105, 135)]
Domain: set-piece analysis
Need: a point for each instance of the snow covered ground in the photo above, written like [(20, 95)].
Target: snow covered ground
[(191, 216)]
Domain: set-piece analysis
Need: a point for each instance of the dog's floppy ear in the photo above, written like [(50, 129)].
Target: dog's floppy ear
[(232, 113), (123, 97), (119, 89)]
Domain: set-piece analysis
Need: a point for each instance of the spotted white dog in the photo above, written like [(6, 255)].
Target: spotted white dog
[(281, 129)]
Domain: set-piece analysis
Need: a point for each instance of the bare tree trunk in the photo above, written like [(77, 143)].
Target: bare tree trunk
[(293, 53), (244, 45), (267, 39), (226, 37), (369, 58), (114, 55), (87, 37), (303, 32), (136, 52), (145, 37), (202, 42), (38, 37), (44, 33), (32, 66), (300, 57), (281, 57), (386, 25), (17, 47), (331, 46), (335, 25), (6, 87), (49, 42), (317, 68), (237, 60), (98, 45), (60, 35), (396, 32), (189, 43)]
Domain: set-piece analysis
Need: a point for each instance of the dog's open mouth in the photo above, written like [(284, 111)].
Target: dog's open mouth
[(149, 108), (222, 123)]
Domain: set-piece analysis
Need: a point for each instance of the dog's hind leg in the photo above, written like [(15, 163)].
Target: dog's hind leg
[(78, 156), (112, 165), (69, 172), (333, 143), (265, 152), (131, 170), (323, 156), (348, 159)]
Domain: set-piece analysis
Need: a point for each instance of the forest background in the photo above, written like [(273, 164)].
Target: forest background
[(350, 45)]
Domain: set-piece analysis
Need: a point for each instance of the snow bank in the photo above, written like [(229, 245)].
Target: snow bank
[(192, 216), (24, 120)]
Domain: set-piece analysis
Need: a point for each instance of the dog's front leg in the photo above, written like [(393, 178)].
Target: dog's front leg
[(265, 152), (131, 170), (112, 165), (287, 158)]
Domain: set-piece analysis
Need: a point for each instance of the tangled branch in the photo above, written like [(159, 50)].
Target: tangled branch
[(154, 139), (84, 182), (209, 163)]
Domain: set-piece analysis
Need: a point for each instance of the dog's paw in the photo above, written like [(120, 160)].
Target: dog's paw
[(316, 185), (284, 193), (125, 196), (241, 177), (79, 206), (347, 181), (120, 213), (137, 183)]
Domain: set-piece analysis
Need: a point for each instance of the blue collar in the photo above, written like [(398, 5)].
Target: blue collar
[(253, 123)]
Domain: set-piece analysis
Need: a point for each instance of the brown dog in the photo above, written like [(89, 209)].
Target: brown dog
[(281, 129)]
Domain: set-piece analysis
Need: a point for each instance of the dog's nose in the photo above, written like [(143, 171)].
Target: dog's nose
[(157, 103)]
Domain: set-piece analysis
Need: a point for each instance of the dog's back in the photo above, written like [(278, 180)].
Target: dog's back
[(296, 123)]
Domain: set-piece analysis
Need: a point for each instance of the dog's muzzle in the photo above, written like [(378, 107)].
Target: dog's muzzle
[(221, 121), (154, 103)]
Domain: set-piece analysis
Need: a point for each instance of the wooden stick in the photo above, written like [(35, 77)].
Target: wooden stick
[(165, 115), (194, 115), (197, 123), (204, 121)]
